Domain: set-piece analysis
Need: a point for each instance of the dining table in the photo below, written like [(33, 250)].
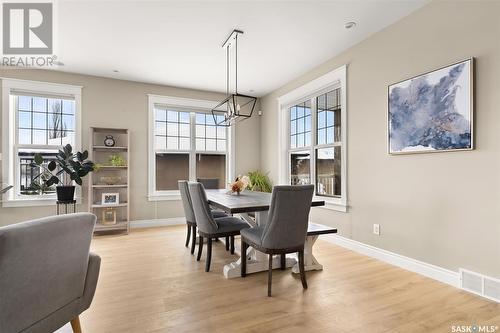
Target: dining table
[(249, 203)]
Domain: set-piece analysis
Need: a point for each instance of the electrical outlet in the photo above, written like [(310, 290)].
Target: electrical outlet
[(376, 229)]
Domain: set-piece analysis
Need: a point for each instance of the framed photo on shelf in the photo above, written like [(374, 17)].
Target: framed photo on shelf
[(109, 216), (110, 199)]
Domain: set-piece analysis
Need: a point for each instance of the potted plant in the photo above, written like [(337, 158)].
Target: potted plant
[(72, 168), (259, 182)]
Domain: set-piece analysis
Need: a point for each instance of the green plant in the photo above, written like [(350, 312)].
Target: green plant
[(117, 160), (259, 182), (75, 165)]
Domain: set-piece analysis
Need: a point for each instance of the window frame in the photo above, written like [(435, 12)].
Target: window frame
[(10, 145), (192, 106), (328, 82)]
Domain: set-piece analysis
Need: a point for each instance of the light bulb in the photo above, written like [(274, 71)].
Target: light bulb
[(238, 107)]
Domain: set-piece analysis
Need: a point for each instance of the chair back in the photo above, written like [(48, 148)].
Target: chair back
[(288, 220), (43, 266), (209, 183), (202, 213), (187, 204)]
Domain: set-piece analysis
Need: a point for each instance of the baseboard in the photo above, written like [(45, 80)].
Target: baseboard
[(157, 222), (434, 272)]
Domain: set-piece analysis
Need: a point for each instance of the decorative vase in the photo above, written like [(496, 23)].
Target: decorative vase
[(65, 193)]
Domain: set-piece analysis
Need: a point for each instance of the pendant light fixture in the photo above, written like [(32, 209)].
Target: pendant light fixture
[(235, 107)]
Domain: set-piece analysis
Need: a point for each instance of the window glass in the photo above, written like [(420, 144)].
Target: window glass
[(328, 177), (211, 167), (169, 169), (328, 130), (300, 168), (209, 137), (300, 125)]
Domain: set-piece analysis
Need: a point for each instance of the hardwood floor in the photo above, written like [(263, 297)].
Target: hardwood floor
[(150, 282)]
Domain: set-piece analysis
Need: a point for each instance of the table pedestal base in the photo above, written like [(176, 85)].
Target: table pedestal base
[(310, 262)]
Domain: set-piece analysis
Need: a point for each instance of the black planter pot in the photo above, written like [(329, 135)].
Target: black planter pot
[(65, 193)]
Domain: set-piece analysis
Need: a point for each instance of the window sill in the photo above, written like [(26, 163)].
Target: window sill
[(330, 204), (32, 202), (165, 197)]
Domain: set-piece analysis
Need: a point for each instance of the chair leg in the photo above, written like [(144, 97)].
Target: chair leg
[(193, 241), (283, 261), (188, 235), (200, 248), (75, 325), (270, 275), (244, 247), (302, 270), (227, 243), (209, 254), (232, 244)]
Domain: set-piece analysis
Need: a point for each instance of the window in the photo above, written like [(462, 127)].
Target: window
[(313, 137), (187, 144), (39, 118)]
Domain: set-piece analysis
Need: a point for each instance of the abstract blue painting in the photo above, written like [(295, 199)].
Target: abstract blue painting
[(433, 111)]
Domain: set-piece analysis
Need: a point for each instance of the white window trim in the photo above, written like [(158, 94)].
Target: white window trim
[(183, 103), (334, 79), (11, 198)]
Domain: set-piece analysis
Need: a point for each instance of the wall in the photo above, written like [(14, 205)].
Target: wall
[(439, 208), (118, 103)]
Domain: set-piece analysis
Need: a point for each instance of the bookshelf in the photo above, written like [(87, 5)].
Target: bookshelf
[(110, 179)]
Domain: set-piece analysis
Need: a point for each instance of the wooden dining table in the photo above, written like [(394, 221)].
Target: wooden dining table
[(258, 203)]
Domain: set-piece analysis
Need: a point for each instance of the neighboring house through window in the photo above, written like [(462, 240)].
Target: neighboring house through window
[(185, 144), (313, 137)]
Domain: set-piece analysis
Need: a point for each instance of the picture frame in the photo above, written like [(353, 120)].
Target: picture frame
[(109, 216), (110, 199), (433, 111)]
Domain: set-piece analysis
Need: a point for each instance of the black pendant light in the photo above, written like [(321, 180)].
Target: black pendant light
[(235, 107)]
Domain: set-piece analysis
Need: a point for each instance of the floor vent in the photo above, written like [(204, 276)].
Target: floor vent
[(480, 284)]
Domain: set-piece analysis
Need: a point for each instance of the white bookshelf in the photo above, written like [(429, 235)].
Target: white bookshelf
[(99, 153)]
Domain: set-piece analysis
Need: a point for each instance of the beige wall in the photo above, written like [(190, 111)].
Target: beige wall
[(117, 103), (439, 208)]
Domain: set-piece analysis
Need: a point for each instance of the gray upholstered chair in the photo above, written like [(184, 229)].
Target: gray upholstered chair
[(47, 276), (189, 213), (209, 183), (209, 227), (285, 230)]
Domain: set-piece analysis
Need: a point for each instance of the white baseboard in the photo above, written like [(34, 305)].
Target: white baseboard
[(434, 272), (157, 222)]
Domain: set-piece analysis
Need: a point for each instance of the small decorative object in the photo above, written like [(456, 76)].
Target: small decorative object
[(70, 167), (110, 199), (109, 216), (432, 112), (109, 141), (117, 160), (239, 184), (110, 180)]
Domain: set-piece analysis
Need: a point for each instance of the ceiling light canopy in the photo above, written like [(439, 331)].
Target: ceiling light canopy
[(235, 107)]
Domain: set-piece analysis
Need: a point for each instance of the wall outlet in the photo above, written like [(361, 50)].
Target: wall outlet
[(376, 229)]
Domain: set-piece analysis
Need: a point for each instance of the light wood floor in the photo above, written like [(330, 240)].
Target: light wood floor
[(149, 282)]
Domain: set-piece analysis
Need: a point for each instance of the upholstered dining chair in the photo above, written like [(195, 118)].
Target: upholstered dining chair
[(47, 275), (187, 205), (285, 230), (209, 183), (209, 227)]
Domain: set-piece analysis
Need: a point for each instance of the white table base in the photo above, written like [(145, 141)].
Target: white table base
[(259, 262)]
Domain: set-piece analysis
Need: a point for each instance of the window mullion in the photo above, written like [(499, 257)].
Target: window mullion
[(314, 115), (192, 151)]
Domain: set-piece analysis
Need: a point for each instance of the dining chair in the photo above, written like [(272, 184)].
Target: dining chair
[(187, 205), (209, 183), (285, 230), (208, 226)]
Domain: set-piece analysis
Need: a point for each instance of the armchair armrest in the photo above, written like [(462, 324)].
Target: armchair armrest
[(90, 281)]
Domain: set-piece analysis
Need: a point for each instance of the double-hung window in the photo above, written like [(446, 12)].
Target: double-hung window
[(313, 142), (185, 144), (41, 118)]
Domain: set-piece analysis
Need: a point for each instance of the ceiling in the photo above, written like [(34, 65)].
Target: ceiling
[(178, 43)]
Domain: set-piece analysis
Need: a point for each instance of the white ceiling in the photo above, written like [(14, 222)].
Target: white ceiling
[(179, 43)]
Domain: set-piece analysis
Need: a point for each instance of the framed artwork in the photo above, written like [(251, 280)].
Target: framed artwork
[(432, 112), (109, 216), (110, 199)]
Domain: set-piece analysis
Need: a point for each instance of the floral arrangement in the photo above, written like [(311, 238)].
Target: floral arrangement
[(239, 184)]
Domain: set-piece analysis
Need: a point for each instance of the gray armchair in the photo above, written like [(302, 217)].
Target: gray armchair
[(47, 275), (285, 231)]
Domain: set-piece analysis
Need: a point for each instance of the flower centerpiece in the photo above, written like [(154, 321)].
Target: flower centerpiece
[(239, 184)]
